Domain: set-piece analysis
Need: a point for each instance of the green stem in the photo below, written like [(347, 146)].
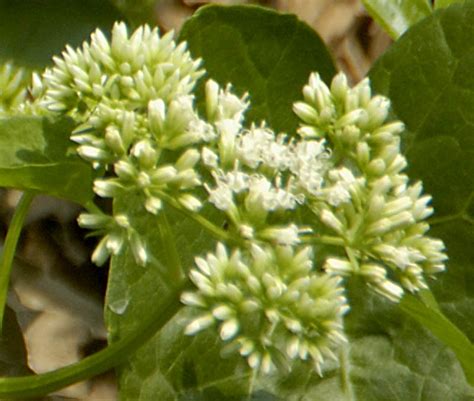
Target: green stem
[(9, 248), (209, 226), (172, 255), (323, 239), (113, 355), (429, 299), (93, 208), (345, 371), (353, 259)]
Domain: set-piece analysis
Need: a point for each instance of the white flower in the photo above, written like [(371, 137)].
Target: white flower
[(228, 130), (221, 197), (338, 194), (157, 115), (94, 154), (340, 191), (339, 86), (202, 130), (116, 232), (187, 160), (309, 164), (209, 158), (277, 154), (251, 145)]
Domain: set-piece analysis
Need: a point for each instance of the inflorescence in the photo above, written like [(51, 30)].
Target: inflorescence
[(14, 83), (337, 185)]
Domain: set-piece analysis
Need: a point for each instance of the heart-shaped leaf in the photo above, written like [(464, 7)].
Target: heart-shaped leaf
[(259, 51)]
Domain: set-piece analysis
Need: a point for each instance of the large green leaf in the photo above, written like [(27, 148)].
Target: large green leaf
[(35, 155), (32, 31), (396, 16), (432, 90), (266, 54)]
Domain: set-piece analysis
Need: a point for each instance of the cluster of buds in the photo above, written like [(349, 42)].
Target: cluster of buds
[(339, 183), (14, 82), (379, 216), (269, 303), (133, 104)]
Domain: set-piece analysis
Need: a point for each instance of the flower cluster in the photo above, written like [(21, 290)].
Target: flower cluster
[(269, 303), (126, 73), (261, 178), (378, 215), (132, 101), (14, 82), (338, 187)]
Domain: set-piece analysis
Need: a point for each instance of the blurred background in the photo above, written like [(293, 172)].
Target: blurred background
[(56, 297)]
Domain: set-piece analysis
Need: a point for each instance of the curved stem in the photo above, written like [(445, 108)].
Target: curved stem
[(113, 355), (9, 248)]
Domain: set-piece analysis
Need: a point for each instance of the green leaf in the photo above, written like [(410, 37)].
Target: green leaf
[(432, 91), (259, 51), (396, 16), (32, 31), (446, 3), (171, 366), (35, 156)]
